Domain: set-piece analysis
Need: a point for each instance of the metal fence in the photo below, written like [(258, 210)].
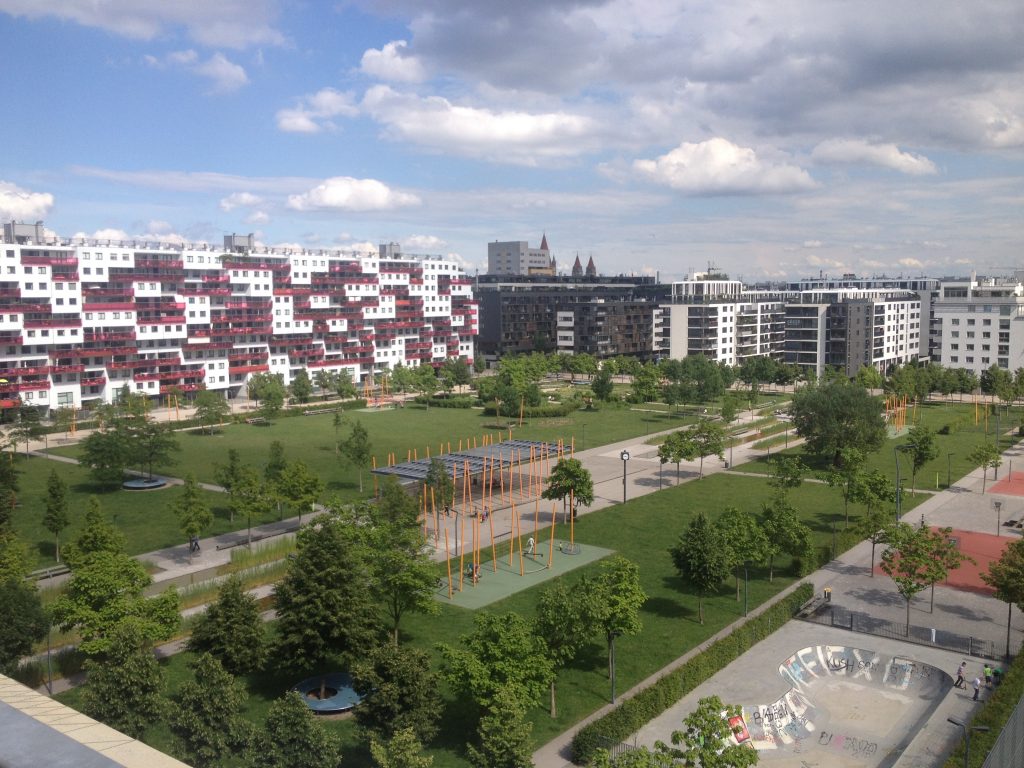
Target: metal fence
[(833, 615), (1008, 751)]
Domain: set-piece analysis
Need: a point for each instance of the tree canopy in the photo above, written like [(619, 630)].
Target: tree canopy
[(837, 415), (701, 556)]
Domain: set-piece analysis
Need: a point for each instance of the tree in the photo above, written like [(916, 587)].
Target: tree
[(105, 454), (23, 621), (399, 690), (601, 385), (616, 598), (424, 381), (302, 387), (56, 518), (838, 415), (570, 479), (64, 419), (344, 387), (193, 513), (645, 384), (502, 655), (268, 391), (123, 688), (98, 535), (15, 559), (105, 590), (325, 602), (274, 471), (295, 738), (325, 381), (786, 473), (743, 539), (455, 373), (944, 557), (678, 447), (784, 531), (706, 738), (439, 485), (873, 489), (206, 717), (873, 527), (231, 630), (211, 408), (985, 456), (701, 557), (504, 735), (249, 497), (229, 476), (149, 443), (907, 561), (356, 449), (708, 439), (403, 750), (29, 426), (868, 378), (921, 446), (1006, 576), (565, 622), (300, 487), (846, 476)]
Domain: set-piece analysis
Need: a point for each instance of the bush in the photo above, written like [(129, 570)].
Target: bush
[(946, 429), (636, 712), (442, 401), (69, 662), (548, 410), (31, 673)]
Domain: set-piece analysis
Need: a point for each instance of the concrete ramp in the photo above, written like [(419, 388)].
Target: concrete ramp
[(846, 707)]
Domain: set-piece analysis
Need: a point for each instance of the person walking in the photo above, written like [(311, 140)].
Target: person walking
[(959, 682), (977, 687), (988, 676)]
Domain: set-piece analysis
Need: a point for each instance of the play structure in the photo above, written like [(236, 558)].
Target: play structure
[(495, 508), (328, 694)]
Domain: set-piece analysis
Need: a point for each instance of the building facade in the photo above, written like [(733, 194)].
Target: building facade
[(518, 258), (980, 323), (81, 319)]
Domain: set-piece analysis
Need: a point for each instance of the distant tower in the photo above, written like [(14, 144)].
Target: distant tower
[(577, 268), (591, 269)]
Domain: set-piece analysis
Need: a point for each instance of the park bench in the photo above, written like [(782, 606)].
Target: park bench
[(320, 411), (256, 420)]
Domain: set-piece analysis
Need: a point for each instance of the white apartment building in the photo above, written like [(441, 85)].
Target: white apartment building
[(516, 257), (980, 323)]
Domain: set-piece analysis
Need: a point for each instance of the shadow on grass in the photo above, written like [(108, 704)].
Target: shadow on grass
[(667, 608)]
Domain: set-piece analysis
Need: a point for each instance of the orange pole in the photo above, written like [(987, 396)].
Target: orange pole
[(494, 551), (428, 451), (414, 456), (462, 552), (373, 460), (551, 542), (450, 446), (572, 527), (512, 535), (519, 539), (448, 562), (536, 520)]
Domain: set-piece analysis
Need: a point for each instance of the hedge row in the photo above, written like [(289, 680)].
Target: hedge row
[(639, 710), (994, 714), (457, 401), (548, 410)]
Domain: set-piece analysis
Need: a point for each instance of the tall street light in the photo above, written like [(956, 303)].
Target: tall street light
[(949, 477), (896, 455), (625, 457), (746, 584), (967, 735)]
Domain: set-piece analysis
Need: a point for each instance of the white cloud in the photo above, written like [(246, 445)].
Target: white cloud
[(314, 112), (812, 243), (423, 243), (348, 194), (502, 136), (18, 203), (239, 199), (913, 263), (158, 225), (391, 64), (257, 217), (114, 234), (859, 152), (220, 23), (223, 74), (719, 167)]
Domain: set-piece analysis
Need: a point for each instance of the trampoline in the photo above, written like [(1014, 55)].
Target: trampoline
[(143, 484), (328, 694)]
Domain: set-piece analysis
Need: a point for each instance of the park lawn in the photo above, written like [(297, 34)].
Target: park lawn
[(145, 517)]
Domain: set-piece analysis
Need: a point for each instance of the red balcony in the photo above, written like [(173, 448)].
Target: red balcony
[(90, 306), (167, 388), (263, 368), (217, 278), (92, 381), (141, 263), (67, 369), (50, 260), (54, 322)]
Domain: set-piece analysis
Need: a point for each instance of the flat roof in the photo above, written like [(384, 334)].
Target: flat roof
[(509, 452)]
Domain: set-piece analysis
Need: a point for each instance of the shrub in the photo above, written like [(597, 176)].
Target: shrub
[(456, 401), (31, 673), (639, 710)]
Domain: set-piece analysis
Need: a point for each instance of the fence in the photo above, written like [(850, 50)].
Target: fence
[(1008, 751), (832, 615)]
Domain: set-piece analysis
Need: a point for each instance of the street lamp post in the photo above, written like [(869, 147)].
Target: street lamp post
[(967, 735), (625, 457), (896, 455), (949, 476), (998, 507), (746, 584)]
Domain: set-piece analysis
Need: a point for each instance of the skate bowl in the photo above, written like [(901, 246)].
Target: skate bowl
[(328, 694), (847, 708)]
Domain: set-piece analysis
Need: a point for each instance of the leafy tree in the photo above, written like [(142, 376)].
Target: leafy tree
[(907, 561), (403, 750), (729, 409), (206, 717), (873, 489), (873, 527), (868, 378), (105, 454), (22, 621), (424, 381), (211, 408), (193, 513), (1006, 576), (708, 439), (357, 450), (501, 655), (98, 535), (325, 602), (29, 426), (945, 557), (641, 757), (705, 738), (838, 415), (455, 373), (985, 456), (300, 487), (601, 385), (784, 531), (105, 590), (250, 497), (149, 443), (268, 391), (922, 449), (565, 622), (231, 630), (570, 479), (302, 387), (399, 690), (678, 447), (64, 419), (123, 688), (274, 471), (439, 484), (344, 386), (229, 476), (504, 735), (701, 557), (402, 378), (325, 381), (295, 738), (786, 473), (56, 518), (616, 598), (15, 559), (846, 477), (645, 384), (744, 541), (479, 364)]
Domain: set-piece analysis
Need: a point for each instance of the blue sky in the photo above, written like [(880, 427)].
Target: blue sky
[(773, 139)]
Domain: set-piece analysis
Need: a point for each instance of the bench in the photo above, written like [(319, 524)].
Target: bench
[(320, 411), (256, 420)]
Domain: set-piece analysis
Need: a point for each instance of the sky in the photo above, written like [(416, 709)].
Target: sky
[(776, 139)]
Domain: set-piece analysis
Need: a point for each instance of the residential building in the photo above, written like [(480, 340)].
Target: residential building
[(80, 319), (980, 323), (518, 258)]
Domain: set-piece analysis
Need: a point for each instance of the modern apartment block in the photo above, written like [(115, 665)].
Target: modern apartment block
[(601, 316), (518, 258), (980, 323), (81, 319)]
